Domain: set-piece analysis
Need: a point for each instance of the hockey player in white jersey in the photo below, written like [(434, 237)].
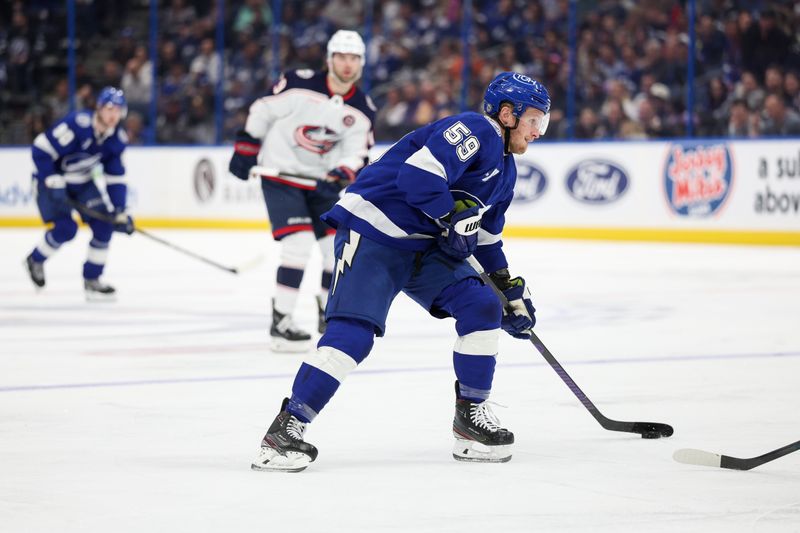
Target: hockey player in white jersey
[(410, 221), (319, 125)]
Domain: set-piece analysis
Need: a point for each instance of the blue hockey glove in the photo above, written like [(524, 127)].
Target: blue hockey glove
[(56, 187), (459, 239), (245, 155), (337, 179), (519, 316), (123, 222)]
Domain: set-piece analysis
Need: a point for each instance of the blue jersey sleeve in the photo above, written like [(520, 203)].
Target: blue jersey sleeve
[(452, 147), (490, 245), (114, 169)]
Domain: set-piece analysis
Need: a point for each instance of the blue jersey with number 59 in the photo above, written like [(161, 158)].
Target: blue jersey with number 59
[(397, 198)]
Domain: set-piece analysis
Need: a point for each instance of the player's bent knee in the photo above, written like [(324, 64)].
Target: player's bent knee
[(476, 308), (349, 335), (101, 230), (64, 229), (296, 248)]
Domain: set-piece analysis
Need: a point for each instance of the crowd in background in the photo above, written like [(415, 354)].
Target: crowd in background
[(630, 81)]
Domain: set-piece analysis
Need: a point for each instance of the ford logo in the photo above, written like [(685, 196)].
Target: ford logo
[(531, 182), (596, 181)]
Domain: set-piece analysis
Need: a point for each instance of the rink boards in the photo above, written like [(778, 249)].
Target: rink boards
[(684, 191)]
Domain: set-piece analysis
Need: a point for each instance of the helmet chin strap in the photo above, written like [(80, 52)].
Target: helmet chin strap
[(507, 132)]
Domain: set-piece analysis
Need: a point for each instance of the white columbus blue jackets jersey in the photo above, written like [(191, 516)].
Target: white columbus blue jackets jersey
[(71, 149), (307, 130), (397, 198)]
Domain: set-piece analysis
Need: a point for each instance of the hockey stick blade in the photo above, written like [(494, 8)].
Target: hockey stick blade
[(648, 430), (691, 456)]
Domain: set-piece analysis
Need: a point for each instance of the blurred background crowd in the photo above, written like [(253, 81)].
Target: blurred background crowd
[(631, 62)]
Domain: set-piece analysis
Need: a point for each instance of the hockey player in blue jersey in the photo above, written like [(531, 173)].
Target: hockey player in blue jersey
[(408, 224), (65, 157)]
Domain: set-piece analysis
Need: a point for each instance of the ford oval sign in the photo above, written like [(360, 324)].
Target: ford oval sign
[(531, 182), (596, 181)]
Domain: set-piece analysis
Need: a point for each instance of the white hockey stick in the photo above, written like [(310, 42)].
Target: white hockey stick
[(691, 456)]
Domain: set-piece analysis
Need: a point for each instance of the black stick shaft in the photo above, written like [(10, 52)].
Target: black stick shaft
[(105, 218), (644, 428), (746, 464)]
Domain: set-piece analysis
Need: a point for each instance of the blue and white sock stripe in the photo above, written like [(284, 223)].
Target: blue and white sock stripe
[(289, 277), (333, 362), (98, 252), (48, 245), (300, 409), (478, 343), (473, 393)]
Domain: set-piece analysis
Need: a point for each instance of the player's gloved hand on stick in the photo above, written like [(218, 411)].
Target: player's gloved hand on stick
[(459, 239), (519, 317), (56, 188), (337, 179), (123, 222), (245, 155)]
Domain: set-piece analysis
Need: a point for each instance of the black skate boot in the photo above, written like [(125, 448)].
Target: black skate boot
[(321, 324), (283, 448), (285, 336), (97, 291), (478, 434), (35, 271)]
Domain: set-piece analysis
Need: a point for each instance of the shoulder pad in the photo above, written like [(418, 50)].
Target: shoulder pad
[(83, 119)]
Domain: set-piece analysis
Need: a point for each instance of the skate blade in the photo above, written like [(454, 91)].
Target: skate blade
[(270, 460), (99, 297), (474, 451), (284, 346)]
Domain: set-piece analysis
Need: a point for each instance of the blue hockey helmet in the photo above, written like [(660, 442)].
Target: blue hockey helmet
[(114, 97), (518, 90)]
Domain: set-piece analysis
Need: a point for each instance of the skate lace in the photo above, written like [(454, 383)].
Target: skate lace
[(287, 325), (295, 428), (481, 415)]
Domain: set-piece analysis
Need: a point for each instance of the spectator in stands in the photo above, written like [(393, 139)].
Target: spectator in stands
[(791, 88), (739, 122), (777, 120), (764, 43)]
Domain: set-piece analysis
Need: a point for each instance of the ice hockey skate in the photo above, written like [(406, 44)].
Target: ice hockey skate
[(479, 436), (35, 271), (285, 336), (283, 448), (321, 324), (97, 291)]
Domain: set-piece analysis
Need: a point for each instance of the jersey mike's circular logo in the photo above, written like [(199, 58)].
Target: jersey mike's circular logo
[(596, 181), (531, 182), (204, 180), (698, 177)]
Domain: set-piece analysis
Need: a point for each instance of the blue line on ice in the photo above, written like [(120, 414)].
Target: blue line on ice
[(255, 377)]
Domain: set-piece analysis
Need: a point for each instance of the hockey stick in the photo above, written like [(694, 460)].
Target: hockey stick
[(702, 458), (260, 172), (648, 430), (105, 218)]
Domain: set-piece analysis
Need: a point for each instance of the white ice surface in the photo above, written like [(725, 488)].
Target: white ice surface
[(144, 415)]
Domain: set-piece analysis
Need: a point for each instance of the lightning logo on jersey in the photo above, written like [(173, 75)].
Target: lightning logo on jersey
[(348, 252)]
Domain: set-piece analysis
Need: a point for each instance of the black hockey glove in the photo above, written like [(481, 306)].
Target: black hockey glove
[(336, 180), (123, 222), (245, 155), (459, 238), (519, 317)]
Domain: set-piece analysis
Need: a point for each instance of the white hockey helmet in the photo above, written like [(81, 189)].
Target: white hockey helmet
[(347, 42)]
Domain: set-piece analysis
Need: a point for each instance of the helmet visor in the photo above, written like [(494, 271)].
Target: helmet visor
[(539, 123)]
